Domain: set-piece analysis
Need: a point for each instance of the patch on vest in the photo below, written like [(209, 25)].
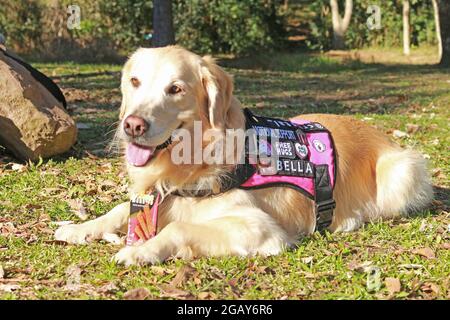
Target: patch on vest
[(319, 145), (285, 149), (301, 150), (282, 147), (295, 168)]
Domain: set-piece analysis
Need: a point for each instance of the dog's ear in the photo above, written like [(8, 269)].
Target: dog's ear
[(219, 88)]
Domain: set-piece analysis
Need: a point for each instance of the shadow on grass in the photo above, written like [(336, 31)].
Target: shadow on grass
[(322, 64)]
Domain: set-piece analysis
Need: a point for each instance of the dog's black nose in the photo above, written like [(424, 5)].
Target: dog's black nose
[(135, 126)]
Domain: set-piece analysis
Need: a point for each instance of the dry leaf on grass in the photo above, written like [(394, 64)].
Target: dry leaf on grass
[(78, 209), (430, 288), (2, 272), (393, 285), (169, 291), (425, 252), (108, 288), (412, 128), (182, 275), (399, 134), (306, 260), (206, 295), (137, 294), (445, 246), (161, 270), (9, 287), (73, 274), (18, 167), (359, 266)]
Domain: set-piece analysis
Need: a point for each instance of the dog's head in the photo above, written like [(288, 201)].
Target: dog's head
[(165, 89)]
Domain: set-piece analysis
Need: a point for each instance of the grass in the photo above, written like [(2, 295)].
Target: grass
[(414, 250)]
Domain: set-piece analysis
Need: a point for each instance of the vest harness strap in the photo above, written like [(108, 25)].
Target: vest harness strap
[(305, 160)]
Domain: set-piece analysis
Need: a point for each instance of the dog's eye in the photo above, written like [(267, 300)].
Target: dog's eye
[(174, 89), (135, 82)]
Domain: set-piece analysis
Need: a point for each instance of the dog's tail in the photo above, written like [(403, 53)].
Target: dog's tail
[(403, 182)]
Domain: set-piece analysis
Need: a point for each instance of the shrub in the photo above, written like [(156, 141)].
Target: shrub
[(228, 26)]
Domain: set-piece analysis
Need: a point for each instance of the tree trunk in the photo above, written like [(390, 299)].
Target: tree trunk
[(163, 34), (444, 21), (438, 28), (340, 25), (406, 33)]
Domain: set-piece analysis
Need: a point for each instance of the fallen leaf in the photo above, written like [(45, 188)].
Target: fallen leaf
[(18, 167), (73, 274), (9, 287), (108, 288), (232, 282), (306, 260), (203, 295), (425, 252), (393, 285), (161, 270), (399, 134), (436, 172), (182, 275), (170, 291), (359, 267), (137, 294), (411, 266), (412, 128), (445, 245), (423, 226), (429, 287), (2, 272), (78, 208)]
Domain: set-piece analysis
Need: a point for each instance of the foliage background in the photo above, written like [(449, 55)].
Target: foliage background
[(113, 28), (358, 34)]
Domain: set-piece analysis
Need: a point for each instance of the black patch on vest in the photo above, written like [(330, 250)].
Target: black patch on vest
[(284, 149), (296, 168)]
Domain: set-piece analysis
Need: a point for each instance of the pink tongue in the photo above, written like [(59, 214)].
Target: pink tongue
[(138, 156)]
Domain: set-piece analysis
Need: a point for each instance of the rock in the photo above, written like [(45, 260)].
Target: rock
[(33, 122)]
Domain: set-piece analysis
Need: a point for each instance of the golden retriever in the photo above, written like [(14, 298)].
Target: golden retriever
[(169, 88)]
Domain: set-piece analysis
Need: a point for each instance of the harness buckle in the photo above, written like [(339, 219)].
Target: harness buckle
[(324, 213)]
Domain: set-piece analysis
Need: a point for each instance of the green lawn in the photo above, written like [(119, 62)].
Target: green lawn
[(414, 251)]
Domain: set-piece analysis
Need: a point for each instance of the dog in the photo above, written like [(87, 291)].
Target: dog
[(165, 89)]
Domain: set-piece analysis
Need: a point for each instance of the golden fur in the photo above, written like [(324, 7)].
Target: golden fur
[(376, 178)]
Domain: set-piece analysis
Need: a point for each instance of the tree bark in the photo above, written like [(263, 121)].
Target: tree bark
[(438, 28), (340, 25), (406, 32), (163, 34), (444, 22)]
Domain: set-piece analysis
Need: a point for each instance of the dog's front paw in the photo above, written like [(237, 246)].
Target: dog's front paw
[(138, 255), (73, 233)]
